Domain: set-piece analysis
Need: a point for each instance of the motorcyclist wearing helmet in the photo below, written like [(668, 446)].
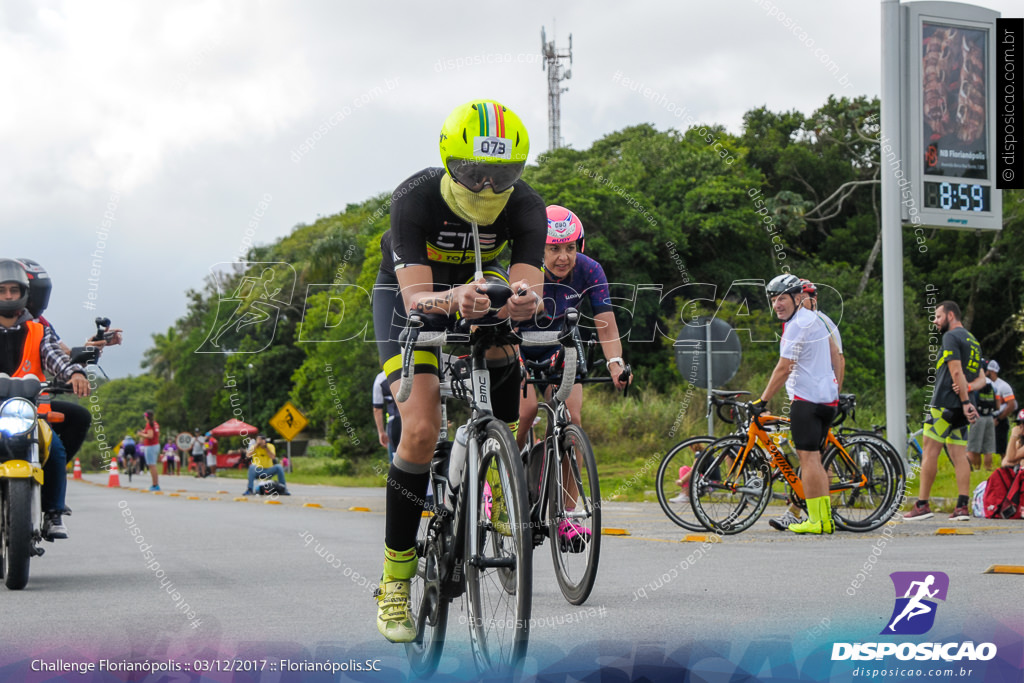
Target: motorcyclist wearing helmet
[(805, 368), (428, 265), (75, 427), (29, 348)]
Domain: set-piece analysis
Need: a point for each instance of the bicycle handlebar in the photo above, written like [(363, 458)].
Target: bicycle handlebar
[(414, 335)]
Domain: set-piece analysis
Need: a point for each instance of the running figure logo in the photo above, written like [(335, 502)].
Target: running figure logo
[(914, 612), (252, 309)]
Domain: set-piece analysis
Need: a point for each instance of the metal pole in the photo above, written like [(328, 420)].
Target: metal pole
[(892, 234), (248, 383), (707, 351)]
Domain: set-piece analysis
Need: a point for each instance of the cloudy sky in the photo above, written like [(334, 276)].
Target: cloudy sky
[(141, 141)]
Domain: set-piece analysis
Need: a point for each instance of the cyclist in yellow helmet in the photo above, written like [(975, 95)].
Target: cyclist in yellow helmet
[(428, 265)]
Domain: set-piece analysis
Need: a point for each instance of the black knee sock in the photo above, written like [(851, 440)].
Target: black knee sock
[(405, 494)]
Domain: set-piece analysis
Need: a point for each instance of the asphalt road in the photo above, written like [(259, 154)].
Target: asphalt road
[(214, 578)]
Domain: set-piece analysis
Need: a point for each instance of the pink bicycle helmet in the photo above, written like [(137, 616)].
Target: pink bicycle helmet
[(564, 226)]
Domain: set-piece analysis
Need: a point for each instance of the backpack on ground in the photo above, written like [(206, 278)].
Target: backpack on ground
[(1003, 494), (978, 500), (269, 487)]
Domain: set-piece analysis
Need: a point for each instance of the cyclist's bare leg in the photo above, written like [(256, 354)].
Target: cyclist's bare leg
[(812, 474), (421, 419), (569, 491), (527, 414)]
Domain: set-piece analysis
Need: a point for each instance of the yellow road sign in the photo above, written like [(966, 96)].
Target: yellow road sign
[(288, 421)]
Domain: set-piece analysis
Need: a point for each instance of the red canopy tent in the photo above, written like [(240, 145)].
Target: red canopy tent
[(232, 427)]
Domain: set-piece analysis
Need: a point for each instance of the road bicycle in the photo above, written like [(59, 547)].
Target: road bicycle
[(671, 488), (477, 542), (561, 471), (732, 479)]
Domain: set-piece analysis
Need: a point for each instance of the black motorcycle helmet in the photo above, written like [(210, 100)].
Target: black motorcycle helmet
[(39, 287), (12, 271)]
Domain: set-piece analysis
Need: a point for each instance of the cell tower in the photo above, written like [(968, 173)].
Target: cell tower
[(557, 72)]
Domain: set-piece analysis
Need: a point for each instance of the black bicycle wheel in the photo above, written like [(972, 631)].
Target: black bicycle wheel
[(727, 496), (499, 580), (673, 495), (864, 487), (574, 516), (429, 606)]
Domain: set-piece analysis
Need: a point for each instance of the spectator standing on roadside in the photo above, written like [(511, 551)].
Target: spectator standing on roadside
[(211, 459), (1007, 409), (385, 415), (951, 410), (198, 453), (151, 447), (981, 436)]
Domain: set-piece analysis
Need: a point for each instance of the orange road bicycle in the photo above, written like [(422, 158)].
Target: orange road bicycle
[(734, 476)]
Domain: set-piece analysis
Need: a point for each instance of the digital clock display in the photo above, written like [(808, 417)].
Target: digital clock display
[(957, 196)]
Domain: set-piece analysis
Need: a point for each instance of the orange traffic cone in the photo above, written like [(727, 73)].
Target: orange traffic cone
[(115, 478), (77, 473)]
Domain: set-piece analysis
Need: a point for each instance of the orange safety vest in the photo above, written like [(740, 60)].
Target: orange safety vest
[(31, 363)]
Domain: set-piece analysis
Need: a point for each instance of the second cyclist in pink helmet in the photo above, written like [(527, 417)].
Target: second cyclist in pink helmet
[(572, 279)]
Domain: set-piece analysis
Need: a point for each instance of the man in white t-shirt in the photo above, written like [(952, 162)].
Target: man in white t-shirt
[(794, 514), (1007, 408), (805, 368)]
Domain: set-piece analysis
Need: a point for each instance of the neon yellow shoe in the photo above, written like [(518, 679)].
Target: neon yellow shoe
[(825, 510), (394, 620), (806, 527), (819, 518)]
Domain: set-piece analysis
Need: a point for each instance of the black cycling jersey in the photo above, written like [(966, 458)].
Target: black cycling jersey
[(425, 231)]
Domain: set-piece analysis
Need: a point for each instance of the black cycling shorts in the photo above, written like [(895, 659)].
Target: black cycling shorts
[(389, 319), (809, 424)]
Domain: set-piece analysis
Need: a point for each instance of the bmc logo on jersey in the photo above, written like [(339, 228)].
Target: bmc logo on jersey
[(916, 593)]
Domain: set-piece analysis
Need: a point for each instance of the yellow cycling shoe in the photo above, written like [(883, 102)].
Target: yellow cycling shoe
[(394, 620), (806, 527)]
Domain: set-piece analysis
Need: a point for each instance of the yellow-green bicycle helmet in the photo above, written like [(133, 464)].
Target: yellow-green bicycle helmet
[(484, 143)]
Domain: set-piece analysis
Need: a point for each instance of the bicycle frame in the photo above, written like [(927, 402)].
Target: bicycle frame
[(758, 436)]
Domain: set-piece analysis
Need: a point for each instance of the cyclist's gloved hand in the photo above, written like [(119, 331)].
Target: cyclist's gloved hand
[(759, 406)]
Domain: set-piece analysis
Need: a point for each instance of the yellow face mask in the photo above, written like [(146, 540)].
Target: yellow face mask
[(483, 206)]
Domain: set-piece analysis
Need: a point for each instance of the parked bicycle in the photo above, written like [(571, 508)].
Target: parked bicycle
[(733, 477), (561, 471), (672, 480)]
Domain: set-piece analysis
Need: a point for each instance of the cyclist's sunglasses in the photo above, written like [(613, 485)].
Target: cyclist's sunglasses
[(475, 175)]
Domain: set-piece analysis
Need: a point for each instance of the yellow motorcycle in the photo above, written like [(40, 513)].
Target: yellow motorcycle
[(25, 438)]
